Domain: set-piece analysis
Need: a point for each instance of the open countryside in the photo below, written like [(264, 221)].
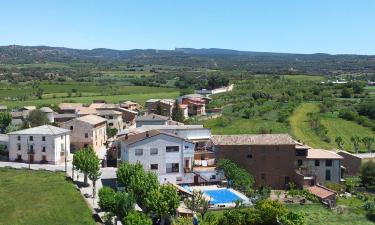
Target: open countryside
[(187, 113)]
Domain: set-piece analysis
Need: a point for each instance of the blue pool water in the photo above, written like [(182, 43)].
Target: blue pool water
[(221, 196)]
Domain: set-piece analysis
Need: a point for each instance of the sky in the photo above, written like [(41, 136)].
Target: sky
[(292, 26)]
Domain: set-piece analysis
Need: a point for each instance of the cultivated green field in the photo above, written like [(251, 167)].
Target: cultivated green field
[(245, 126), (301, 129), (40, 197), (80, 92), (317, 214), (304, 78)]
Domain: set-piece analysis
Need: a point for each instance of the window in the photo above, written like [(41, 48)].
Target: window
[(43, 138), (263, 176), (86, 145), (153, 151), (62, 137), (249, 156), (328, 174), (299, 162), (19, 157), (172, 168), (19, 147), (111, 117), (18, 138), (301, 152), (154, 166), (31, 138), (31, 148), (317, 162), (62, 148), (71, 127), (138, 152), (328, 163), (86, 135), (44, 149), (110, 124), (172, 149)]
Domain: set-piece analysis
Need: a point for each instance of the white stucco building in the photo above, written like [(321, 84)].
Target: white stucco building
[(43, 144), (169, 156)]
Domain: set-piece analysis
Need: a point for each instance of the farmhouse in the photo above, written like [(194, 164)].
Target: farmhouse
[(196, 104), (87, 131), (43, 144)]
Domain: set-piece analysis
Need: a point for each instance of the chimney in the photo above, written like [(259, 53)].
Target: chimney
[(147, 134)]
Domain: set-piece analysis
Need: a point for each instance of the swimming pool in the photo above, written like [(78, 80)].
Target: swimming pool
[(220, 196)]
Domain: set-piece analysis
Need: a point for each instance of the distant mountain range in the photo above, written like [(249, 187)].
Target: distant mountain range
[(256, 62)]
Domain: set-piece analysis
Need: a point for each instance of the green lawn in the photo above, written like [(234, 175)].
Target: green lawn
[(245, 126), (301, 130), (40, 197), (317, 214)]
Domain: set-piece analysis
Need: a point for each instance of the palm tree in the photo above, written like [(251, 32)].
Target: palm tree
[(355, 141)]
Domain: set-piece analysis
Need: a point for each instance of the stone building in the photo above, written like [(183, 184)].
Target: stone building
[(87, 131), (43, 144)]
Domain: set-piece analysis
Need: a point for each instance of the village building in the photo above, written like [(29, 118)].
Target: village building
[(87, 131), (276, 159), (162, 107), (131, 105), (50, 114), (62, 118), (69, 108), (168, 155), (154, 119), (128, 116), (196, 104), (114, 118), (43, 144)]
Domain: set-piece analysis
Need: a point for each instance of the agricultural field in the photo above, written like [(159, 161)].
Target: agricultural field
[(40, 197), (301, 129), (20, 95), (353, 213)]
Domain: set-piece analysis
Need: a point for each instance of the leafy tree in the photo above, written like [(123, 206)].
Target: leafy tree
[(293, 218), (94, 175), (11, 128), (35, 118), (351, 183), (238, 177), (197, 203), (368, 141), (340, 142), (111, 132), (39, 93), (86, 161), (177, 113), (136, 218), (270, 211), (163, 202), (116, 203), (107, 199), (368, 174), (346, 93), (5, 120), (355, 141), (136, 180), (357, 87)]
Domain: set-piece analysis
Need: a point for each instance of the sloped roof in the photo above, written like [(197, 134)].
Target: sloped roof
[(320, 191), (127, 110), (131, 139), (85, 110), (107, 112), (257, 139), (46, 110), (91, 119), (322, 154), (69, 106), (44, 130), (152, 117)]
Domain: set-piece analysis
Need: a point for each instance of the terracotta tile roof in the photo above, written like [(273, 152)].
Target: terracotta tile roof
[(320, 191), (92, 119), (42, 130), (257, 139), (69, 106), (322, 154), (85, 111)]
